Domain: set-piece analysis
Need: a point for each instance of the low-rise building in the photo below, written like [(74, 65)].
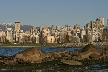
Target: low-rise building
[(50, 39)]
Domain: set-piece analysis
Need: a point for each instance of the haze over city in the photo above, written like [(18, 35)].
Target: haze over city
[(56, 12)]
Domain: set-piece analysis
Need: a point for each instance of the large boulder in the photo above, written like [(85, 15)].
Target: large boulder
[(89, 48), (87, 51), (30, 55)]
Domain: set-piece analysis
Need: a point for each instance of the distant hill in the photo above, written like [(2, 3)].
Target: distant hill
[(23, 27), (26, 27)]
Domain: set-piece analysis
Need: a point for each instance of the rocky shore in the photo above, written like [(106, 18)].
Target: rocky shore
[(39, 60)]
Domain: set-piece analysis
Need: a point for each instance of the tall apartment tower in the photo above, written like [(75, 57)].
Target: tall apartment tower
[(17, 25), (101, 20)]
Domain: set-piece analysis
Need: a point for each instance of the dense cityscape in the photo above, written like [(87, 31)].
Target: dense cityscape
[(94, 31)]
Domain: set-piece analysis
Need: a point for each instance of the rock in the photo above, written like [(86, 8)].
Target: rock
[(94, 56), (29, 52), (87, 51), (30, 55), (9, 62), (71, 62), (53, 55), (56, 54), (89, 48)]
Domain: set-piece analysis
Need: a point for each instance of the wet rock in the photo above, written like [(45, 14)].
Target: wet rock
[(71, 62), (87, 51), (94, 56), (31, 55), (89, 48), (9, 62)]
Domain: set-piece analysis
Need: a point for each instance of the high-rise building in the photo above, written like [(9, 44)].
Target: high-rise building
[(17, 31), (97, 29), (101, 20), (17, 25), (99, 23)]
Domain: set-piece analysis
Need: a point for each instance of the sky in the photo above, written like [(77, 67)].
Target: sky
[(52, 12)]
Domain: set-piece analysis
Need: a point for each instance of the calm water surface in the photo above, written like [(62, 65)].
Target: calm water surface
[(11, 51)]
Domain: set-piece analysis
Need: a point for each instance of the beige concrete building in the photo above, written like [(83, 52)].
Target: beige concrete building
[(17, 25), (88, 26), (50, 39), (17, 31), (21, 36), (2, 36), (9, 34), (76, 30), (83, 33), (45, 32), (97, 28), (37, 38), (101, 20), (76, 26)]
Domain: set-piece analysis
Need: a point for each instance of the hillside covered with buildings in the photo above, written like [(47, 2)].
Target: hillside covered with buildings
[(94, 31)]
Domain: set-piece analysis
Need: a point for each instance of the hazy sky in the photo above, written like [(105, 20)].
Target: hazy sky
[(48, 12)]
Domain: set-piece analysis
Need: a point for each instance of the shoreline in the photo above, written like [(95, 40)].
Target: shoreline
[(18, 46), (44, 46), (27, 46), (56, 45), (52, 46)]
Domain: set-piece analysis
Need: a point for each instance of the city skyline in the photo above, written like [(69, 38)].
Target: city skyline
[(47, 13), (95, 31)]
